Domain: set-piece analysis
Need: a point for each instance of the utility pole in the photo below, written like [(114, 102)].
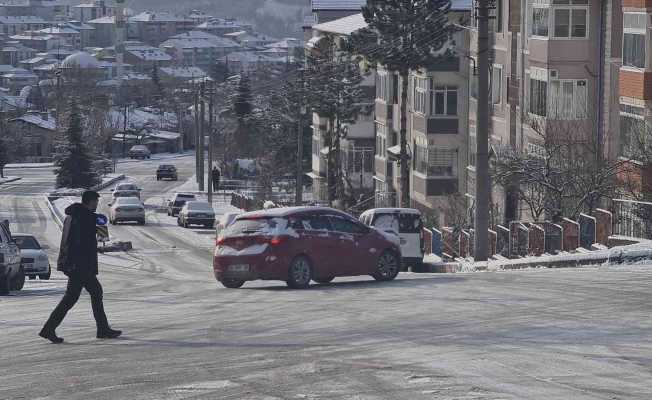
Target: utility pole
[(298, 191), (482, 184), (202, 121), (211, 100), (196, 114)]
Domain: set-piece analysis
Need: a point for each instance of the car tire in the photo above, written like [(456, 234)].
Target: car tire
[(5, 286), (325, 280), (208, 226), (141, 222), (19, 280), (387, 267), (232, 283), (45, 277), (299, 273)]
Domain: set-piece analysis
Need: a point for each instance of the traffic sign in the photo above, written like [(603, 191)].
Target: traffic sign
[(101, 220)]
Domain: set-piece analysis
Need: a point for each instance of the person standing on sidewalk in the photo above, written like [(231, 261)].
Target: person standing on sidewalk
[(78, 260), (215, 176)]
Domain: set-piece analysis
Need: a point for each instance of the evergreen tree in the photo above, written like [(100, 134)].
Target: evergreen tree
[(335, 94), (219, 71), (73, 162), (242, 107), (403, 36)]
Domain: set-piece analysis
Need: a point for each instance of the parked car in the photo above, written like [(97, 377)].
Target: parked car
[(12, 274), (33, 257), (127, 209), (125, 190), (178, 201), (300, 244), (406, 223), (166, 171), (224, 221), (196, 213), (139, 152)]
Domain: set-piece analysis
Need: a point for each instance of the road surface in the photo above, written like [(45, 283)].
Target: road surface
[(536, 334)]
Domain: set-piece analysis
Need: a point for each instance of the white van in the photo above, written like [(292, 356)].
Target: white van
[(406, 223)]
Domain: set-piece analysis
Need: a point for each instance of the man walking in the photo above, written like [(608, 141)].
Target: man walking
[(78, 260), (215, 175)]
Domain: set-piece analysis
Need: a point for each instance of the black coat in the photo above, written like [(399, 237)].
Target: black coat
[(78, 253)]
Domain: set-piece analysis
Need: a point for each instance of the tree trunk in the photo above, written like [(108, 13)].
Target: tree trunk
[(404, 157)]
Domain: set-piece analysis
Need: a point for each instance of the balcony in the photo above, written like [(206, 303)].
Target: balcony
[(636, 84)]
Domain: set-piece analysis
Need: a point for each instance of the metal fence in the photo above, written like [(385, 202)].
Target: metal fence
[(632, 218)]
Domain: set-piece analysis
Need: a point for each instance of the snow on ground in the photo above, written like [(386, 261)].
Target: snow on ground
[(29, 165)]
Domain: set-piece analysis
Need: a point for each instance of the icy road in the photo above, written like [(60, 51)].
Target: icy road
[(538, 334)]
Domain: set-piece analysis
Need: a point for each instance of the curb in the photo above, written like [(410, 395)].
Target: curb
[(55, 216), (10, 180), (494, 266), (19, 166)]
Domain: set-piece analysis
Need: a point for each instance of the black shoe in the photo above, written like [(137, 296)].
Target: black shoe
[(51, 336), (108, 334)]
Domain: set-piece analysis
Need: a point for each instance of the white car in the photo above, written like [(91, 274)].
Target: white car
[(406, 223), (127, 209), (196, 213), (33, 257), (125, 190)]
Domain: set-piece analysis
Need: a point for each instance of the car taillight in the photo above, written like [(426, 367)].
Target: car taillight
[(220, 241), (275, 241)]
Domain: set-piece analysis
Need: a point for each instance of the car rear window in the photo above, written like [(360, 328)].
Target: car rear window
[(128, 200), (185, 196), (127, 187), (198, 205), (258, 226), (404, 223), (26, 243)]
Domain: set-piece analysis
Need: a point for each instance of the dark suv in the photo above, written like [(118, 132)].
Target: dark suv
[(166, 171), (300, 244)]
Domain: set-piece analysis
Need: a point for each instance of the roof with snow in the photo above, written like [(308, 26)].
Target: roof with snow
[(183, 72), (104, 20), (193, 43), (148, 53), (342, 26), (461, 5), (222, 23), (345, 5), (81, 59), (57, 30), (140, 117), (38, 120), (286, 43), (25, 19), (149, 16)]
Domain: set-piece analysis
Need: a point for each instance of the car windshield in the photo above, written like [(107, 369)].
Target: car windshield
[(243, 227), (128, 201), (27, 243), (166, 167), (199, 206), (127, 187), (185, 196)]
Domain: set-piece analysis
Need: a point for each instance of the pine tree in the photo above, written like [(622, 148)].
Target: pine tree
[(335, 94), (219, 71), (73, 162), (242, 108), (403, 36)]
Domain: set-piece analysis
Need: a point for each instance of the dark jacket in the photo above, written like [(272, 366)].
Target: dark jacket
[(78, 253)]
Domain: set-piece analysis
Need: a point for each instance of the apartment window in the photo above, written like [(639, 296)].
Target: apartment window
[(568, 99), (472, 151), (496, 23), (382, 86), (443, 100), (540, 21), (570, 22), (633, 131), (434, 162), (634, 26), (538, 97), (420, 94), (381, 140), (496, 84)]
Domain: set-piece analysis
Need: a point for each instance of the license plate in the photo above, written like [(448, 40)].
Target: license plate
[(239, 268)]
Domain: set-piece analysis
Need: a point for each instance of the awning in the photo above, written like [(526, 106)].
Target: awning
[(313, 175)]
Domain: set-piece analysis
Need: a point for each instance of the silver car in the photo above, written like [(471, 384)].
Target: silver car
[(125, 190), (33, 257), (127, 209)]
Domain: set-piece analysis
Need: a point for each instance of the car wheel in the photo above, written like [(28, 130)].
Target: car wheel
[(299, 273), (232, 283), (141, 222), (387, 267), (19, 281), (208, 226), (325, 280), (45, 277)]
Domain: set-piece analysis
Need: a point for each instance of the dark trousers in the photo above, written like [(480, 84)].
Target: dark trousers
[(77, 282), (216, 185)]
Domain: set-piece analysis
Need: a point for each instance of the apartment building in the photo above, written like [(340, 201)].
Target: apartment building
[(555, 70), (357, 150), (198, 48), (92, 10), (14, 25)]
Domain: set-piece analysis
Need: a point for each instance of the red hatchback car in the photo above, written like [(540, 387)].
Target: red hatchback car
[(300, 244)]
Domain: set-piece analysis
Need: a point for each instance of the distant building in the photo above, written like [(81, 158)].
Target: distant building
[(197, 48), (93, 10), (104, 31), (248, 61), (329, 10), (64, 33), (251, 40), (40, 41), (86, 32), (50, 10), (222, 26), (38, 132), (13, 52), (155, 27), (14, 25), (144, 57), (182, 74)]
